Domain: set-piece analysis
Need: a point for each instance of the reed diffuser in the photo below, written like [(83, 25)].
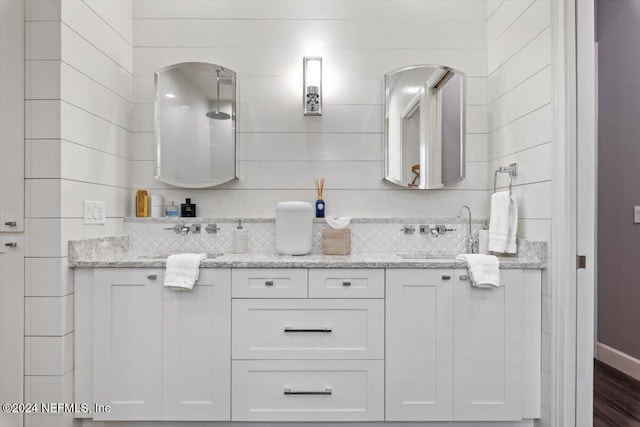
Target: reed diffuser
[(320, 204)]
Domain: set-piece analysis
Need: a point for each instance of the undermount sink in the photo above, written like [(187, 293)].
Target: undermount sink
[(427, 255), (163, 255)]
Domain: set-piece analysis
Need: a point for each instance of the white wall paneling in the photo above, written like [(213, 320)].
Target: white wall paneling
[(520, 119), (79, 53), (78, 87), (442, 10), (97, 30), (345, 144), (48, 355), (517, 33), (195, 32), (47, 277), (48, 316), (368, 63)]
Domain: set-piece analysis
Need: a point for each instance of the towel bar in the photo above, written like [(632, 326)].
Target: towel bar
[(512, 170)]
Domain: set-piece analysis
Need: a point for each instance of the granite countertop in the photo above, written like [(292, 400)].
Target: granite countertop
[(113, 252)]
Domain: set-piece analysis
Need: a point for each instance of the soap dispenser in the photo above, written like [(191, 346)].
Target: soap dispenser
[(188, 209), (239, 239)]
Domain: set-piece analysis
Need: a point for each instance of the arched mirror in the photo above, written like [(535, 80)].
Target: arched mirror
[(424, 126), (195, 125)]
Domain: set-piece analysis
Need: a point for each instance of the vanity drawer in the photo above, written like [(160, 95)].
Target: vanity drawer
[(346, 283), (308, 329), (269, 283), (308, 390)]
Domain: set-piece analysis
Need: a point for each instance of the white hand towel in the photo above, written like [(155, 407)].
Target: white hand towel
[(503, 224), (484, 270), (182, 271)]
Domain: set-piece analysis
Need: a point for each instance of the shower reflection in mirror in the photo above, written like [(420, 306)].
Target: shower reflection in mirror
[(195, 132), (425, 126)]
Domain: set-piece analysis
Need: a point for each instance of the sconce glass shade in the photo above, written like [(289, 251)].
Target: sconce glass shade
[(312, 86)]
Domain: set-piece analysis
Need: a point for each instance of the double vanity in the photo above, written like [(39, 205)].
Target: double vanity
[(262, 337)]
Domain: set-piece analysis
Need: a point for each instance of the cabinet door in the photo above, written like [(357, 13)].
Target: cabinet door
[(488, 340), (12, 115), (419, 345), (127, 339), (11, 326), (197, 347)]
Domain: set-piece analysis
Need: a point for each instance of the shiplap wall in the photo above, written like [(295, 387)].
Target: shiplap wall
[(280, 150), (78, 90), (520, 110), (520, 128)]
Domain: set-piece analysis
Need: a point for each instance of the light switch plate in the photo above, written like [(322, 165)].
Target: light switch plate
[(94, 212), (636, 214)]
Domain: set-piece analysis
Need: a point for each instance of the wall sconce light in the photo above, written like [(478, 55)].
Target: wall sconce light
[(312, 86)]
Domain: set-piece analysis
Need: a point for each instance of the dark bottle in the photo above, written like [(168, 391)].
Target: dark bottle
[(188, 209), (320, 205)]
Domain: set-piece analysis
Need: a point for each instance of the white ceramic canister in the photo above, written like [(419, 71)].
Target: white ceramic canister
[(294, 228)]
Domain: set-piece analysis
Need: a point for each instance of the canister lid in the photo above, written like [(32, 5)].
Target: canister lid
[(294, 207)]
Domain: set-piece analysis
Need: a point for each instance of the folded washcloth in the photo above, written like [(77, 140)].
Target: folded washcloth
[(484, 270), (182, 271), (503, 224)]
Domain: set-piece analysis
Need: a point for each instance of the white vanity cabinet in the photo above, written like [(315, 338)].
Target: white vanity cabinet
[(457, 352), (161, 354), (308, 344)]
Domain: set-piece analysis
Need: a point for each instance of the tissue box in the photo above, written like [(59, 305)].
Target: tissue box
[(336, 242)]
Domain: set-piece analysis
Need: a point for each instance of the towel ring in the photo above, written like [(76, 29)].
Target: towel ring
[(512, 170)]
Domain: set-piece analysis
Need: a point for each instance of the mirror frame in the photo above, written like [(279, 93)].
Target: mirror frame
[(157, 130), (463, 127)]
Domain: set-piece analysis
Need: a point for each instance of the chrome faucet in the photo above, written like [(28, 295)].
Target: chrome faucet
[(471, 242)]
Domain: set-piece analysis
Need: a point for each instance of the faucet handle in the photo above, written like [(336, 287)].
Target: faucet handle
[(212, 228), (441, 228), (176, 228), (408, 229)]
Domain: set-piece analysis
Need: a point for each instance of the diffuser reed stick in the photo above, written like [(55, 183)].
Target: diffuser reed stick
[(320, 203), (319, 187)]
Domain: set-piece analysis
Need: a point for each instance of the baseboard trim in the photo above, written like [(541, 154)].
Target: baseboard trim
[(619, 360)]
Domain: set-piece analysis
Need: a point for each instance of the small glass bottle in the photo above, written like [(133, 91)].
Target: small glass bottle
[(171, 210), (320, 208)]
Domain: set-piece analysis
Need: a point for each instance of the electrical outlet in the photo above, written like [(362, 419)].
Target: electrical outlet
[(94, 212)]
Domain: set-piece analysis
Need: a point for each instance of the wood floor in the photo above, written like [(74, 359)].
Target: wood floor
[(616, 398)]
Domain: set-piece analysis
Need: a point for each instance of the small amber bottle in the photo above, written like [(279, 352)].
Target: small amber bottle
[(142, 203)]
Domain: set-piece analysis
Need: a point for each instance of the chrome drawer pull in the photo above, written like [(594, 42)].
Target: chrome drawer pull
[(446, 277), (326, 329), (11, 245), (268, 283), (327, 392), (11, 223), (464, 277), (346, 283), (152, 276)]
